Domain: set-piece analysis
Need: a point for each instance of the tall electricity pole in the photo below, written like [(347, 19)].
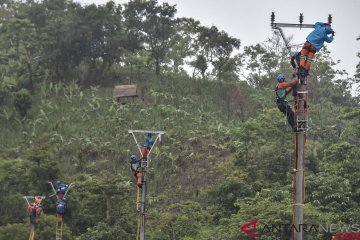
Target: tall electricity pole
[(143, 170), (301, 121)]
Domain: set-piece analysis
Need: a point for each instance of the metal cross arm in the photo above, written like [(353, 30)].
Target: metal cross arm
[(296, 25), (32, 197), (68, 188), (52, 186), (158, 137), (146, 131), (26, 199)]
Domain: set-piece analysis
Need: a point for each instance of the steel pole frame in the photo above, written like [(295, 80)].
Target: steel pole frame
[(144, 166)]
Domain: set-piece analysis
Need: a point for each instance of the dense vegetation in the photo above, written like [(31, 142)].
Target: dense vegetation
[(227, 157)]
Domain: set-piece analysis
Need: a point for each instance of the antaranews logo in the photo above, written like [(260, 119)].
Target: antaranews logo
[(342, 230), (251, 233)]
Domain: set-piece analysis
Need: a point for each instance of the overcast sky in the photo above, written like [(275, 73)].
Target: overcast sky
[(249, 20)]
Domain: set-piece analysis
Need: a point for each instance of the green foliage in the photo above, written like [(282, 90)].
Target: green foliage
[(180, 221), (104, 231), (14, 183), (200, 64), (155, 24), (43, 230), (335, 189), (16, 231), (216, 46), (227, 155), (261, 64), (22, 102), (99, 204)]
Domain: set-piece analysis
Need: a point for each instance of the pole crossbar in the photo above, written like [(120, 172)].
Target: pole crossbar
[(26, 199), (297, 25), (158, 138), (52, 187), (146, 131), (294, 25)]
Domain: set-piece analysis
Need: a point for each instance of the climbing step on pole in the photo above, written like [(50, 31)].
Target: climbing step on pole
[(301, 113)]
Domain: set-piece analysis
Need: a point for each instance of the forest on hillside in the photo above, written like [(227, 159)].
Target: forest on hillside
[(226, 158)]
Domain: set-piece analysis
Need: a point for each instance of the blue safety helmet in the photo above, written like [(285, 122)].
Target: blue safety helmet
[(295, 53), (133, 157), (328, 30), (280, 77)]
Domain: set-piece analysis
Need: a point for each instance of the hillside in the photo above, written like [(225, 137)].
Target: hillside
[(220, 157), (227, 158)]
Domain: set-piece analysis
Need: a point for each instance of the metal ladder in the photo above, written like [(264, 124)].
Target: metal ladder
[(32, 233), (301, 113), (138, 199), (59, 220)]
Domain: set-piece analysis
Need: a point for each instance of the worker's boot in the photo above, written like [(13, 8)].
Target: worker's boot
[(302, 72)]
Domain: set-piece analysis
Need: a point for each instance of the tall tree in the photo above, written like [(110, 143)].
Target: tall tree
[(53, 39), (357, 76), (155, 24), (183, 46), (261, 63), (18, 44), (217, 46), (97, 32)]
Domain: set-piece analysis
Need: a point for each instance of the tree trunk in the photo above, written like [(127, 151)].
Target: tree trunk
[(157, 67), (30, 77), (108, 208)]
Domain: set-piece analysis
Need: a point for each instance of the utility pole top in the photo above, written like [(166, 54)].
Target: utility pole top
[(145, 153), (296, 25)]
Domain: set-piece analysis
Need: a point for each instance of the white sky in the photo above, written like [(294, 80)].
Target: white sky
[(249, 20)]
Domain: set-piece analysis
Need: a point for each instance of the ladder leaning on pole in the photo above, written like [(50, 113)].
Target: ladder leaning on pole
[(301, 112), (59, 226)]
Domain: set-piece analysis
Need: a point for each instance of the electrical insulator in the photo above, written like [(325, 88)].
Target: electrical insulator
[(301, 18), (272, 17), (330, 19)]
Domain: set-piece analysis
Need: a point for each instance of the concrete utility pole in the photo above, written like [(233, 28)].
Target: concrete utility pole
[(299, 166), (144, 166), (301, 117)]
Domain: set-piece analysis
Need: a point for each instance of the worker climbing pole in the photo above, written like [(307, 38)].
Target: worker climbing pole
[(140, 173), (301, 112), (61, 192), (34, 211)]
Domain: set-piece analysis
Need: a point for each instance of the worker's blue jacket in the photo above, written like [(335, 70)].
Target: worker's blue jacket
[(319, 36)]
